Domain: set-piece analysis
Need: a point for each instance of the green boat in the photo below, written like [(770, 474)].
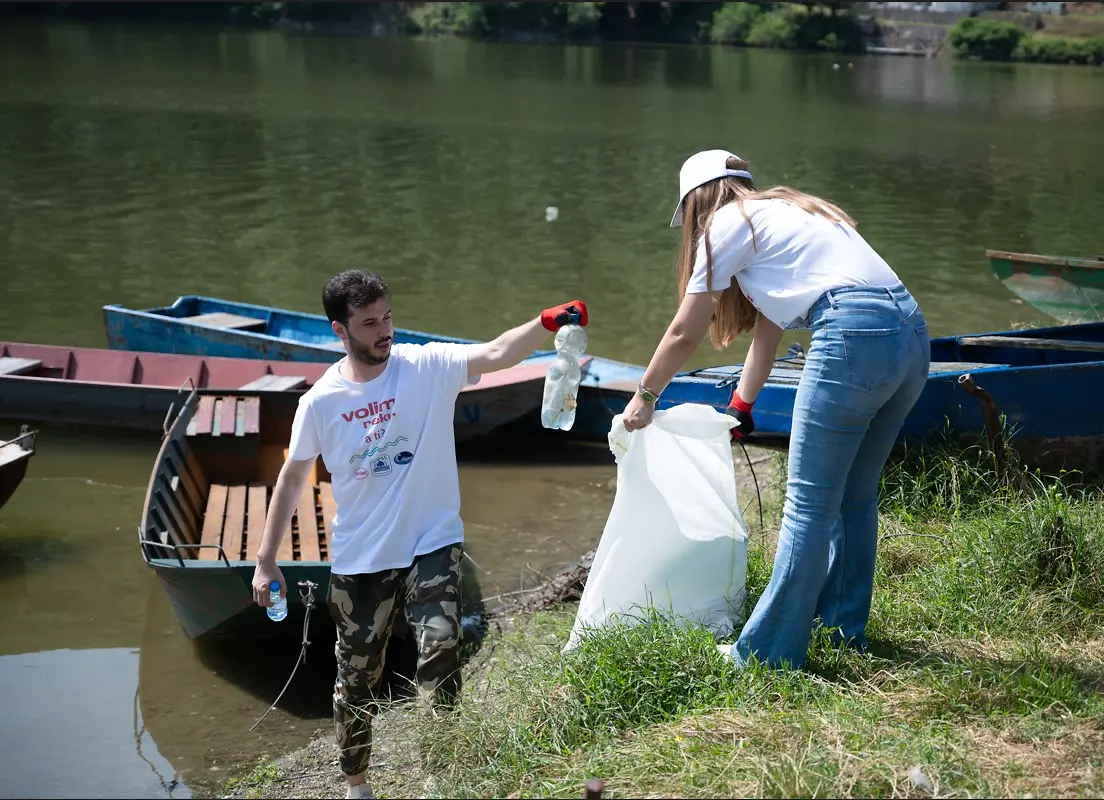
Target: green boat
[(205, 510), (1069, 289)]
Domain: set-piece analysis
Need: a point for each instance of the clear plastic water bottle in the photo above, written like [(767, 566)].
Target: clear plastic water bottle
[(561, 384), (278, 610)]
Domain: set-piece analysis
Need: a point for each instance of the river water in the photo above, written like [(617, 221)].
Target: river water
[(138, 164)]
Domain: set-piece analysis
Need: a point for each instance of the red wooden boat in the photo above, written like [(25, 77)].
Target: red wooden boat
[(137, 390)]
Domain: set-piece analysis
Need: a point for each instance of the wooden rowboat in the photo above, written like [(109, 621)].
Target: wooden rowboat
[(1046, 381), (205, 510), (1069, 289), (211, 326), (136, 390), (15, 455)]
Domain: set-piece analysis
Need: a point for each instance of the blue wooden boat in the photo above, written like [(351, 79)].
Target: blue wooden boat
[(208, 326), (1046, 381)]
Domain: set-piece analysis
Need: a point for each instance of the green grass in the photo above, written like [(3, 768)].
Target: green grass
[(986, 672), (255, 783)]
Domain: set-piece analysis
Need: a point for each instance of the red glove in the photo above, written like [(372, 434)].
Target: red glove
[(742, 411), (555, 318)]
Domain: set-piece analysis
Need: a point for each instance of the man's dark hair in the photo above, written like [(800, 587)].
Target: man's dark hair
[(353, 288)]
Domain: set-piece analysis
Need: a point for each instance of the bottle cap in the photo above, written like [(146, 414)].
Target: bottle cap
[(274, 586)]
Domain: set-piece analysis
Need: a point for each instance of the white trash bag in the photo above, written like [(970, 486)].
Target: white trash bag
[(675, 539)]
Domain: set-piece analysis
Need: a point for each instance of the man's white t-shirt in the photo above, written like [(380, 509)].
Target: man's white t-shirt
[(800, 256), (389, 445)]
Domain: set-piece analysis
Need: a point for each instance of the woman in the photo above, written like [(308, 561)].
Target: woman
[(769, 260)]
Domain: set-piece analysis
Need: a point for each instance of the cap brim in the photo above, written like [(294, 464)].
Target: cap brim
[(676, 220)]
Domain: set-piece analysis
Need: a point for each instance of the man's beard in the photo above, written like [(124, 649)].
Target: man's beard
[(371, 356)]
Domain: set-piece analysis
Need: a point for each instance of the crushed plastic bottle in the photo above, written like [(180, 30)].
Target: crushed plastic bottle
[(278, 610), (561, 384)]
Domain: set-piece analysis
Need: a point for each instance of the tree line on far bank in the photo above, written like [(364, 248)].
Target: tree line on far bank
[(826, 26), (1000, 40)]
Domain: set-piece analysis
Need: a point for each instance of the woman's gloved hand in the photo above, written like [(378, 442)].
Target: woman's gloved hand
[(742, 411)]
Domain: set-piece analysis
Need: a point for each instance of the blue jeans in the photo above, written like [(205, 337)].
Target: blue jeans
[(865, 368)]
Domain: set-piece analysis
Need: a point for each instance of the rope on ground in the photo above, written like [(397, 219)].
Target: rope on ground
[(308, 600)]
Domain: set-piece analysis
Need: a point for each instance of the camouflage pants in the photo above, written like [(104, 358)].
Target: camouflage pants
[(364, 608)]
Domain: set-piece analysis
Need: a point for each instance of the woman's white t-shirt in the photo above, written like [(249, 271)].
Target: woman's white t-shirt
[(799, 257)]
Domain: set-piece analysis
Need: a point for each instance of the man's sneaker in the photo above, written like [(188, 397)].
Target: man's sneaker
[(726, 651), (361, 790)]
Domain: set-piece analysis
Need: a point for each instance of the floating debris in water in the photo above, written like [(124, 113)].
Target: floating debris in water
[(551, 214)]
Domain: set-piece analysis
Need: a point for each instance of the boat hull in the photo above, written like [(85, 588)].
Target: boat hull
[(214, 601), (15, 456), (57, 392), (284, 335), (1051, 409), (1071, 290)]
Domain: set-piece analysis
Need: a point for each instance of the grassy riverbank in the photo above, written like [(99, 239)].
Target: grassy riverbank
[(986, 676)]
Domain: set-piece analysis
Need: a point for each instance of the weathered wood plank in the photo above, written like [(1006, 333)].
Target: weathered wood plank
[(204, 416), (252, 418), (175, 522), (222, 319), (213, 519), (191, 498), (329, 508), (194, 470), (256, 512), (234, 526), (286, 550), (276, 383), (959, 366), (228, 412), (239, 416), (307, 517), (9, 365), (1032, 343)]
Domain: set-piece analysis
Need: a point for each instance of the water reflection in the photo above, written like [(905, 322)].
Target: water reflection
[(257, 165), (198, 701), (85, 609), (67, 713)]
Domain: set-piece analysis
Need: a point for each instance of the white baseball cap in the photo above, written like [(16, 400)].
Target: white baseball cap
[(701, 168)]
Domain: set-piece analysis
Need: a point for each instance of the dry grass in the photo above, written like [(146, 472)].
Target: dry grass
[(986, 677)]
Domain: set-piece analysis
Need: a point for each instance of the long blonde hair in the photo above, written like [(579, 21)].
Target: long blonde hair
[(734, 313)]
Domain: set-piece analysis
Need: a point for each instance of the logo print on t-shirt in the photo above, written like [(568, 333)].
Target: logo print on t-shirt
[(360, 474), (404, 458), (371, 451), (381, 465)]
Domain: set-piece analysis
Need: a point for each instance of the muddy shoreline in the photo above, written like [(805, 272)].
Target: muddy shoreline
[(311, 771)]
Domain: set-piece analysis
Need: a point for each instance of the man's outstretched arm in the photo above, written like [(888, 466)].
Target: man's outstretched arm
[(516, 344)]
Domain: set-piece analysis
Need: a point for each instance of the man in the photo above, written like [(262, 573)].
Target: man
[(381, 418)]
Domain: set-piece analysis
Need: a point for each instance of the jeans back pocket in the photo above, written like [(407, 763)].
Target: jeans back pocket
[(872, 356)]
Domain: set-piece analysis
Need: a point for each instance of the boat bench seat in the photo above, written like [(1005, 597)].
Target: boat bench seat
[(10, 365), (222, 319), (275, 383), (235, 520), (960, 366), (226, 416), (1031, 342)]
